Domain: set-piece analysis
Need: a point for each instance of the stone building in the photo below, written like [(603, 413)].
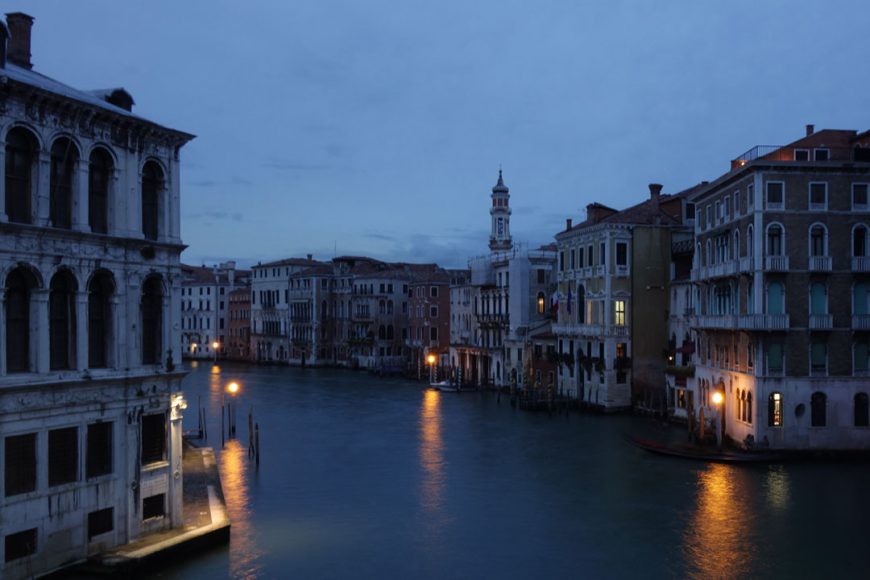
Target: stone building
[(613, 290), (782, 272), (205, 308), (90, 408), (429, 320), (509, 294), (239, 324)]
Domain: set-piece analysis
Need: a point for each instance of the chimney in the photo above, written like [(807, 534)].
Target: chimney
[(595, 212), (567, 224), (19, 25), (810, 130), (655, 190), (309, 257)]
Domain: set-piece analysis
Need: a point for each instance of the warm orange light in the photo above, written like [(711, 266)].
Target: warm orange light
[(718, 398), (193, 346), (215, 345), (233, 388), (430, 359)]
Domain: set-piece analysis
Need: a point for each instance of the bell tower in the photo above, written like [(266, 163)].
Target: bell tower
[(500, 212)]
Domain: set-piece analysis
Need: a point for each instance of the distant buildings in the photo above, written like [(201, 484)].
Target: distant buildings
[(90, 408), (205, 307)]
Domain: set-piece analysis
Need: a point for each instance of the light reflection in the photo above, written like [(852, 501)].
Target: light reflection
[(717, 540), (432, 458), (245, 551), (778, 485)]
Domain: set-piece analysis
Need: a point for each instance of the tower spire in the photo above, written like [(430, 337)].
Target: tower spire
[(500, 214)]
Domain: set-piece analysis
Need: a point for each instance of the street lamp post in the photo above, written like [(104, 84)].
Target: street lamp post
[(214, 346), (430, 360), (232, 389), (718, 399)]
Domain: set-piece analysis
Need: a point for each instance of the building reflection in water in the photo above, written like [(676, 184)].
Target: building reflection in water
[(777, 485), (432, 462), (717, 541)]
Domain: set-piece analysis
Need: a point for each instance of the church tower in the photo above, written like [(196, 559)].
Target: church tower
[(500, 212)]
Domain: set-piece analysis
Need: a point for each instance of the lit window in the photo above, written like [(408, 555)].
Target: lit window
[(774, 417), (619, 312)]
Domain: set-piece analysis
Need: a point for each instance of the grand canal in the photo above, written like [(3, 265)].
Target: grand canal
[(362, 477)]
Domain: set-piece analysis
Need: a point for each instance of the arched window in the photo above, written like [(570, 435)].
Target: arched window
[(581, 304), (859, 241), (62, 321), (542, 303), (100, 291), (775, 298), (774, 410), (749, 241), (64, 157), (862, 410), (775, 240), (99, 177), (19, 287), (735, 247), (818, 240), (390, 332), (152, 320), (389, 306), (382, 332), (21, 148), (152, 185), (818, 404), (324, 314), (749, 407)]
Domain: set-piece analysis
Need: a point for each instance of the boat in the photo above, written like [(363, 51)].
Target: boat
[(686, 452), (451, 387)]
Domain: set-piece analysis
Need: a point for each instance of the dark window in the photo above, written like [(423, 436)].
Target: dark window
[(154, 506), (152, 184), (100, 292), (153, 438), (818, 402), (100, 522), (542, 277), (20, 476), (821, 154), (99, 454), (818, 195), (581, 304), (621, 254), (775, 194), (63, 456), (152, 320), (433, 333), (862, 410), (801, 154), (99, 176), (63, 161), (20, 545), (20, 154), (19, 285), (62, 321)]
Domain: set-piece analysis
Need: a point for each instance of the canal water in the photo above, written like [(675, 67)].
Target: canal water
[(365, 477)]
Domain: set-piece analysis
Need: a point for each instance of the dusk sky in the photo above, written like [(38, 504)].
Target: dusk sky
[(377, 128)]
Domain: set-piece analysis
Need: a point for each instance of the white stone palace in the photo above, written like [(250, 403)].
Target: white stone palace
[(90, 408)]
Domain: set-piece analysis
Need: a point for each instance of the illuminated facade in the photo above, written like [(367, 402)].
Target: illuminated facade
[(90, 408), (205, 315), (782, 275)]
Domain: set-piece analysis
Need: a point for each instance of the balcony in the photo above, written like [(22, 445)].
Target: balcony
[(715, 321), (746, 264), (776, 263), (861, 322), (763, 322), (821, 321), (620, 330), (861, 263), (819, 264), (622, 270)]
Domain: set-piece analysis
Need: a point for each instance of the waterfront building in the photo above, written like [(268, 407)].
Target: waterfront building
[(239, 324), (680, 368), (204, 308), (782, 271), (90, 402), (613, 291), (429, 320), (509, 292), (270, 308), (311, 329)]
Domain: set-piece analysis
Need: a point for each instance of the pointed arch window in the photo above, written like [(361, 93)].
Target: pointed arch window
[(100, 292), (151, 310), (774, 410), (62, 321), (818, 240), (99, 175), (21, 150), (19, 287), (859, 241), (774, 240), (152, 185), (64, 157)]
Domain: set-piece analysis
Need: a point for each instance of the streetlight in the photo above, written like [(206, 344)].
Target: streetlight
[(193, 346), (718, 399), (215, 345), (430, 360)]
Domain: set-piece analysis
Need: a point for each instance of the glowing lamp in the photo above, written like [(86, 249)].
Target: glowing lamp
[(233, 388), (430, 359), (718, 398)]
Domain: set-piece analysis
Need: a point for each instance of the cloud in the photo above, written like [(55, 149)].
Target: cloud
[(215, 215), (284, 165)]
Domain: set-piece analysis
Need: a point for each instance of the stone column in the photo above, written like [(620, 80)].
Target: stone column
[(39, 329), (80, 201), (3, 216), (3, 329), (166, 327), (43, 183), (82, 345), (116, 356), (176, 475)]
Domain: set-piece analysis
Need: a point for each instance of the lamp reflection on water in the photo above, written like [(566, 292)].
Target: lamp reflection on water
[(717, 540), (246, 557), (432, 462)]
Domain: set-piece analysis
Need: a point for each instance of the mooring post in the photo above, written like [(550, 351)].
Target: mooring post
[(257, 442), (222, 425)]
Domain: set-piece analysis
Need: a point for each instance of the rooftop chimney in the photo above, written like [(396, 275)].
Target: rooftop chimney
[(19, 25), (309, 257), (655, 190), (810, 130), (567, 224)]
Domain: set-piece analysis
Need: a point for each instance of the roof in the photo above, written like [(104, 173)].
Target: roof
[(500, 187), (290, 262)]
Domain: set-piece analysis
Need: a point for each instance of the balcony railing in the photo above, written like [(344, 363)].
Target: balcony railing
[(776, 263), (861, 264), (763, 322), (819, 264), (620, 330), (861, 321), (821, 321)]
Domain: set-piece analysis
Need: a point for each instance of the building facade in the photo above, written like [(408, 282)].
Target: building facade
[(239, 324), (782, 273), (90, 403), (205, 308)]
